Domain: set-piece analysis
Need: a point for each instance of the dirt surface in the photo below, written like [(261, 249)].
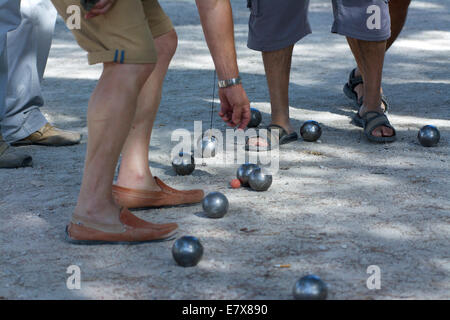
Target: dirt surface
[(335, 207)]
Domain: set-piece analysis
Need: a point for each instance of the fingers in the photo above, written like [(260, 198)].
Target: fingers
[(245, 117), (225, 114), (236, 117), (100, 8), (235, 107), (225, 111)]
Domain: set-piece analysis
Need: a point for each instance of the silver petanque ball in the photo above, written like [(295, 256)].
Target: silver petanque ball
[(207, 146), (215, 205), (187, 251), (183, 164), (311, 131), (255, 118), (310, 287), (259, 181), (429, 136), (244, 171)]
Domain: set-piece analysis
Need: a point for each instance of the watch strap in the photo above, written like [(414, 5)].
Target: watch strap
[(229, 82)]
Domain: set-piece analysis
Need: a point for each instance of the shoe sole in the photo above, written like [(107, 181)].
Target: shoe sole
[(51, 142), (169, 237), (168, 206)]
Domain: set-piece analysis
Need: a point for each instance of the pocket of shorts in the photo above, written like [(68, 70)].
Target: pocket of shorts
[(254, 7)]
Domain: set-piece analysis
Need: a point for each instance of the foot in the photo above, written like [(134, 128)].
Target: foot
[(136, 181), (49, 135), (129, 229), (11, 159), (105, 213), (263, 142), (108, 215), (142, 198), (381, 131)]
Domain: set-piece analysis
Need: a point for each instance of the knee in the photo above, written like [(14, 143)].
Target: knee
[(144, 70), (167, 45), (136, 74)]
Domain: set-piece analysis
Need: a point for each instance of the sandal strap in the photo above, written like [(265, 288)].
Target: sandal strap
[(354, 80), (281, 130), (373, 120), (268, 136), (384, 101)]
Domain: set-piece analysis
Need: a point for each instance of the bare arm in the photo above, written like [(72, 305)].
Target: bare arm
[(218, 27), (217, 21)]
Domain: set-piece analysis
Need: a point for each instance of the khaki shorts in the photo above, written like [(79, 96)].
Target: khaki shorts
[(124, 34)]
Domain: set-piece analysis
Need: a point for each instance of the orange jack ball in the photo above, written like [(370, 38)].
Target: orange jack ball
[(235, 183)]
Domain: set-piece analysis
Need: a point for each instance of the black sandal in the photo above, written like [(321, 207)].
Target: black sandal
[(349, 91), (372, 120), (283, 138)]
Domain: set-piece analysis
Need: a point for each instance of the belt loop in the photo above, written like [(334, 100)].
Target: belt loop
[(122, 56)]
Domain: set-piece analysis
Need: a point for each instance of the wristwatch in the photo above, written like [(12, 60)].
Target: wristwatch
[(229, 82)]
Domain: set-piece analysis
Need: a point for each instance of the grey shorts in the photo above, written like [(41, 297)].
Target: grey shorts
[(277, 24), (362, 19), (274, 25)]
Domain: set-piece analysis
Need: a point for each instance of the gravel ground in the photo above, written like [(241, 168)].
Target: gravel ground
[(335, 207)]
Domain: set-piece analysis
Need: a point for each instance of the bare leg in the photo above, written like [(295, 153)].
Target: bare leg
[(398, 10), (277, 65), (110, 113), (134, 169), (369, 56)]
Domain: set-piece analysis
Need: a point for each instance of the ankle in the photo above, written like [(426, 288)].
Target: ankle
[(284, 123), (137, 181), (98, 211), (368, 108)]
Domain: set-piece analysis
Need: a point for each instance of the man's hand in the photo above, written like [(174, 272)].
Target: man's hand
[(235, 107), (100, 8), (217, 22)]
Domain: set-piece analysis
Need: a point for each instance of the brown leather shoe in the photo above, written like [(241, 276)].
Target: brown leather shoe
[(51, 136), (132, 231), (140, 199)]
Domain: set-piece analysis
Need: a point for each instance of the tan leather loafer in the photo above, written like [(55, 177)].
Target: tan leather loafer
[(132, 231), (51, 136), (141, 199)]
